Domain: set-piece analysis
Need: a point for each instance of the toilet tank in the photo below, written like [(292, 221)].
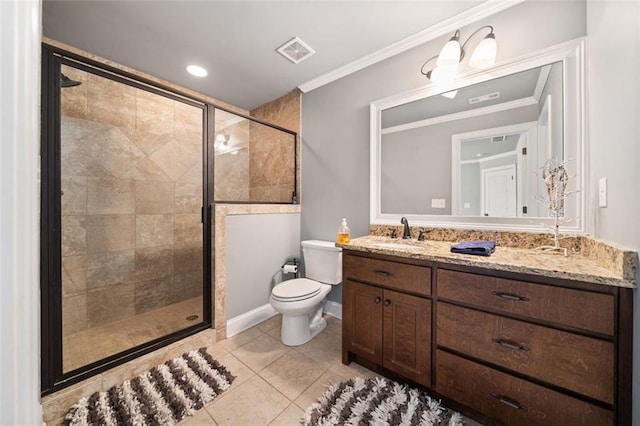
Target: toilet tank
[(322, 261)]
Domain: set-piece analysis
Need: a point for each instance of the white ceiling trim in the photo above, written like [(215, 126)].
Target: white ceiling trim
[(476, 112), (488, 8)]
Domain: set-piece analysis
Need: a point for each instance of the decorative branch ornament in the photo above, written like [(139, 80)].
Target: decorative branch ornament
[(556, 178)]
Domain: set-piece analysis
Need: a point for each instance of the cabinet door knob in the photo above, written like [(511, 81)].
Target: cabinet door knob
[(377, 300), (511, 403), (387, 302), (510, 345), (508, 296)]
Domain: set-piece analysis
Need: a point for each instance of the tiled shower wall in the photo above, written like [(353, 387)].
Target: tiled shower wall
[(272, 167), (131, 166), (232, 170)]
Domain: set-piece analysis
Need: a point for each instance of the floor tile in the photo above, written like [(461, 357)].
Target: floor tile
[(292, 374), (200, 418), (254, 402), (351, 370), (240, 339), (241, 372), (317, 388), (275, 322), (290, 416), (260, 352), (325, 349), (217, 350)]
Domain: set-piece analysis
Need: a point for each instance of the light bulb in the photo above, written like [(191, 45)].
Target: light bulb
[(484, 55), (443, 76), (450, 53), (452, 94)]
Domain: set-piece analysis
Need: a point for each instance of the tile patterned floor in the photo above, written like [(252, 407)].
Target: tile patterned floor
[(275, 383)]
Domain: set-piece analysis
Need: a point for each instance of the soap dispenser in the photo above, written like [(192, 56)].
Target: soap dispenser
[(343, 233)]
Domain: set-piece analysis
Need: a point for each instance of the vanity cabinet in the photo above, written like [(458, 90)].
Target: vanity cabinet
[(387, 315), (519, 349)]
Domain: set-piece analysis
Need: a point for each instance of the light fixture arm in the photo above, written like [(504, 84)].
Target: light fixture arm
[(428, 73)]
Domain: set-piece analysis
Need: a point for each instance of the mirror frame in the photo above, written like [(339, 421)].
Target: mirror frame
[(572, 56)]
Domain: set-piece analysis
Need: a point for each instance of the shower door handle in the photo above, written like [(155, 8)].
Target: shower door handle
[(205, 214)]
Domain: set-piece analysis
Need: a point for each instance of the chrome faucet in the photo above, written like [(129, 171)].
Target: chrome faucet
[(406, 234)]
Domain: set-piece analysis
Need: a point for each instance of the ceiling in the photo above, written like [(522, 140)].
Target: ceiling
[(511, 87), (236, 41)]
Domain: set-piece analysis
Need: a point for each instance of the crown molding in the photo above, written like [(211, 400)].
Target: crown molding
[(488, 8), (476, 112)]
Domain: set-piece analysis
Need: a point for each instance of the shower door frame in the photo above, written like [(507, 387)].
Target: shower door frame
[(53, 378)]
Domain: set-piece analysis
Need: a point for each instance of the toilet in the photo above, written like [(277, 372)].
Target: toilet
[(301, 300)]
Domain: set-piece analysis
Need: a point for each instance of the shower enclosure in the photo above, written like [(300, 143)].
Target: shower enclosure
[(126, 241), (129, 173)]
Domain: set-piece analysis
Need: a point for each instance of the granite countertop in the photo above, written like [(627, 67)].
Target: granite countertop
[(573, 267)]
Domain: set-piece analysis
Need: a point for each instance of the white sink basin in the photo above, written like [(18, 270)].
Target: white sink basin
[(396, 245)]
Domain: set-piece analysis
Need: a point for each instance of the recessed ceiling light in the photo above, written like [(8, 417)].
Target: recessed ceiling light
[(197, 70)]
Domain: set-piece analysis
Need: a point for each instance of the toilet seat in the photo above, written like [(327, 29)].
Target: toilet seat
[(295, 290)]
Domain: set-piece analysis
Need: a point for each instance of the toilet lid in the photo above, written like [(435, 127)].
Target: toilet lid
[(296, 289)]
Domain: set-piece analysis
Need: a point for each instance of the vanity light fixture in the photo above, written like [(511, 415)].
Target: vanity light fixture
[(452, 54), (197, 70)]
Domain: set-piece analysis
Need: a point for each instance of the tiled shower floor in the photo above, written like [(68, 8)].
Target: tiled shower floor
[(96, 343)]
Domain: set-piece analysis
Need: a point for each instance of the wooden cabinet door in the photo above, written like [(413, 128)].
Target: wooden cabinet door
[(362, 322), (407, 336)]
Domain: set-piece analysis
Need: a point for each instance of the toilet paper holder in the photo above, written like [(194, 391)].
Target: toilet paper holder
[(290, 266)]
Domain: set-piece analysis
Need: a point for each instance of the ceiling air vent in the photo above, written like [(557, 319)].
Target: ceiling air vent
[(498, 139), (484, 98), (296, 50)]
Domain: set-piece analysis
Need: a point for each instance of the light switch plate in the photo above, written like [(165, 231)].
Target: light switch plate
[(467, 205), (602, 192), (438, 203)]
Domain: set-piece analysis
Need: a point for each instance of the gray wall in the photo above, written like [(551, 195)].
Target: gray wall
[(614, 136), (416, 163), (256, 247), (470, 189), (335, 117)]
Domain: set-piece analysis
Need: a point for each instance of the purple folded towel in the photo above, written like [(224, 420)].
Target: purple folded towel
[(479, 248)]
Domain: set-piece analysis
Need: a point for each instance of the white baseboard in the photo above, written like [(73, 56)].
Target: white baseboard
[(333, 308), (249, 319)]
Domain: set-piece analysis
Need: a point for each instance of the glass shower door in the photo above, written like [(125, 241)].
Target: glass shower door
[(131, 171)]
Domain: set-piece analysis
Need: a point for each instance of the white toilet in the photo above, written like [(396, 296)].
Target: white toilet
[(300, 301)]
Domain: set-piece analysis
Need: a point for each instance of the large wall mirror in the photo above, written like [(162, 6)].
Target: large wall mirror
[(470, 155)]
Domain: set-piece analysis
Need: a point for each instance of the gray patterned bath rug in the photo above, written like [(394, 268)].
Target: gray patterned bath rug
[(163, 395), (378, 401)]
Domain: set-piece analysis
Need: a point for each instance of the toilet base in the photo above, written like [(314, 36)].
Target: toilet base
[(297, 330)]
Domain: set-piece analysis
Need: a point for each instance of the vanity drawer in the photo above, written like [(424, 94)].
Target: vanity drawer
[(574, 308), (398, 276), (511, 400), (571, 361)]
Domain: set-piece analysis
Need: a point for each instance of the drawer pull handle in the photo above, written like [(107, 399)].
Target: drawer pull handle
[(510, 296), (383, 273), (509, 402), (510, 345), (387, 302), (377, 299)]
